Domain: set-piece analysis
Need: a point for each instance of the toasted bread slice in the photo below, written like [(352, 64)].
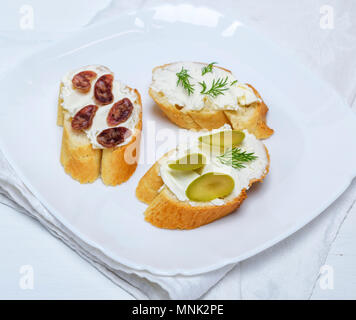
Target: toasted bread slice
[(85, 164), (251, 117), (78, 157), (166, 211)]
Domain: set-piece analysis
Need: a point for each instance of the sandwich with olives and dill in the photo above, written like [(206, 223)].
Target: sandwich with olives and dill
[(203, 181), (204, 96), (101, 120)]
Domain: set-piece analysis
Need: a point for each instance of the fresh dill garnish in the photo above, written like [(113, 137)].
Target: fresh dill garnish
[(233, 82), (183, 79), (236, 158), (208, 68), (217, 87)]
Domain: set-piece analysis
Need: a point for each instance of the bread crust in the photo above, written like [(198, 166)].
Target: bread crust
[(78, 158), (252, 117), (60, 110), (149, 185), (85, 164), (166, 211)]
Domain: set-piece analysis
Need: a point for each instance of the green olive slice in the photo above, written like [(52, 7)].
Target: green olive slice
[(225, 139), (210, 186), (191, 161)]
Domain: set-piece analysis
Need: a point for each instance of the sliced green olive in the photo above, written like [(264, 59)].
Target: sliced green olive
[(191, 161), (210, 186), (224, 139)]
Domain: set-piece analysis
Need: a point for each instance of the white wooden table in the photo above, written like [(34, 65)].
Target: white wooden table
[(342, 257)]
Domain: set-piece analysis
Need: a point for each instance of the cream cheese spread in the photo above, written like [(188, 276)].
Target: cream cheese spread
[(165, 80), (74, 100), (178, 181)]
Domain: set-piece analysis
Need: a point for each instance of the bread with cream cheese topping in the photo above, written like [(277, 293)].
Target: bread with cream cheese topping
[(166, 210), (85, 163), (211, 113)]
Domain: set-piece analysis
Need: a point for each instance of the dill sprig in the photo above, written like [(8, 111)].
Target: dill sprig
[(208, 68), (236, 158), (233, 82), (217, 87), (183, 79)]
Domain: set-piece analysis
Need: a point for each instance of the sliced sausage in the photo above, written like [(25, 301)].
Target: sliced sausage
[(119, 112), (112, 137), (83, 119), (82, 80), (103, 89)]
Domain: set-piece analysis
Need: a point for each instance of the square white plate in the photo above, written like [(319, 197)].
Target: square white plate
[(313, 150)]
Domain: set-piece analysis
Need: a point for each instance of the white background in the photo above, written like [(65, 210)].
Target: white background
[(61, 274)]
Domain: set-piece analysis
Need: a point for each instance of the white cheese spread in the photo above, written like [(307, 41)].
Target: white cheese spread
[(178, 181), (74, 100), (165, 80)]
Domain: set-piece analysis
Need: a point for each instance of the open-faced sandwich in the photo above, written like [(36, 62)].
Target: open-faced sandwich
[(102, 120), (204, 180), (204, 96)]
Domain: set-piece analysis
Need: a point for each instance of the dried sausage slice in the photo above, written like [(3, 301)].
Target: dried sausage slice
[(111, 137), (103, 89), (82, 80), (83, 119), (119, 112)]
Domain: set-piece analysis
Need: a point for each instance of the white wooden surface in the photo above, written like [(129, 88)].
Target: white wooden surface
[(61, 274), (342, 258)]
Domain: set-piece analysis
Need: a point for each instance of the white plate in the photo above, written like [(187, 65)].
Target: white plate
[(313, 150)]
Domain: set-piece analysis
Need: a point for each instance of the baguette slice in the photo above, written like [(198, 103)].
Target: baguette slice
[(166, 211), (84, 163), (252, 117), (78, 157)]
